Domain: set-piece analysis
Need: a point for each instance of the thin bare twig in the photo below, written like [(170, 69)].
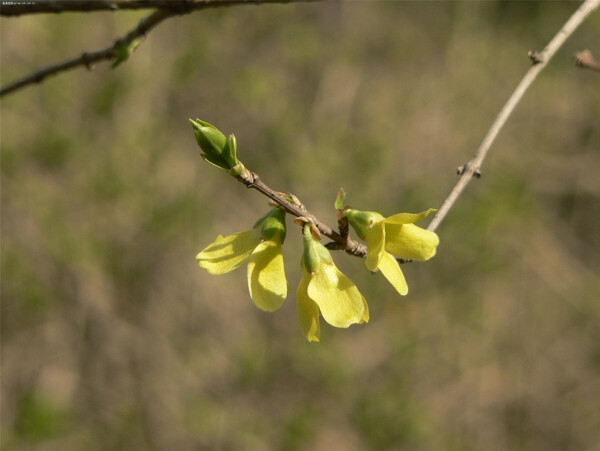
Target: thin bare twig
[(585, 60), (87, 59), (296, 208), (539, 60), (19, 7)]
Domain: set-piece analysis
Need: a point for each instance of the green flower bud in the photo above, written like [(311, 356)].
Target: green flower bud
[(217, 150), (362, 220), (272, 225)]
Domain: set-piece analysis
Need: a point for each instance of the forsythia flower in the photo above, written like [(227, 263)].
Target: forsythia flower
[(395, 235), (261, 247), (325, 290)]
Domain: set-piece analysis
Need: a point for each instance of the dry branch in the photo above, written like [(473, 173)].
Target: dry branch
[(87, 59), (539, 61), (17, 8)]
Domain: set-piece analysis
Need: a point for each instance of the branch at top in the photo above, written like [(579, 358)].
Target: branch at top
[(87, 59), (168, 8), (585, 60), (18, 7), (539, 61)]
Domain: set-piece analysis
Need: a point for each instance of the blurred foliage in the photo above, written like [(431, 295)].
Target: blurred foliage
[(112, 338)]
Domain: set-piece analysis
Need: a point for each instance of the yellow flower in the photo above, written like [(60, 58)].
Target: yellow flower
[(393, 236), (325, 290), (261, 248)]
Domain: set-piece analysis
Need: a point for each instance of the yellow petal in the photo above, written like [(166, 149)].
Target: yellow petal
[(408, 218), (308, 311), (375, 237), (410, 241), (390, 268), (365, 315), (227, 253), (266, 276), (339, 300)]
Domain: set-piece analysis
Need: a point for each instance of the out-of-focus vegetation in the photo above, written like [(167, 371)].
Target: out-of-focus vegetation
[(112, 338)]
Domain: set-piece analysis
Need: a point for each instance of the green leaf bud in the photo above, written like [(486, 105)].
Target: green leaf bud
[(237, 170), (217, 150), (339, 200), (124, 51), (231, 151)]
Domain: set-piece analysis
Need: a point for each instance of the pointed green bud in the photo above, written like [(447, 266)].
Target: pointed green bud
[(272, 225), (217, 150), (339, 200), (362, 220), (124, 51)]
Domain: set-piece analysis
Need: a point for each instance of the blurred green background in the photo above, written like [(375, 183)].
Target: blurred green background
[(112, 338)]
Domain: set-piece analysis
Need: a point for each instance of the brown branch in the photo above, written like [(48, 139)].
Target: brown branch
[(341, 241), (19, 7), (539, 60), (296, 208), (586, 60), (87, 59)]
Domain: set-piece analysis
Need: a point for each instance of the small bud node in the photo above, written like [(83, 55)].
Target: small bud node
[(535, 57)]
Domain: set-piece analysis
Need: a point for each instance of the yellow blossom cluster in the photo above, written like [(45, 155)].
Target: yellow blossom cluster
[(324, 290)]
